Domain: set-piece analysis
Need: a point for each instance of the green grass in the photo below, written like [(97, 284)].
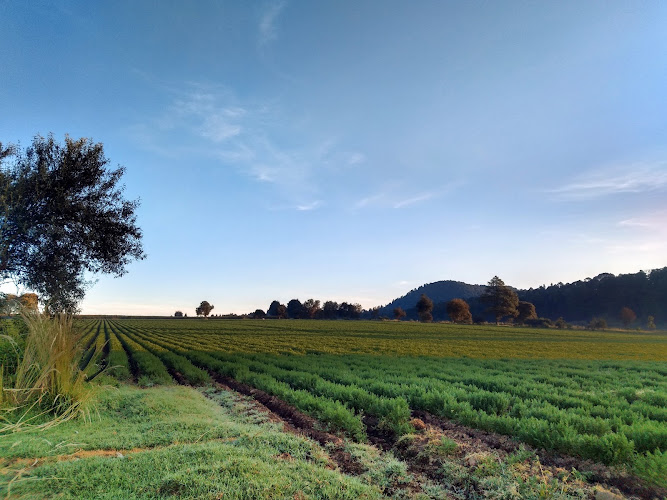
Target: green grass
[(171, 441)]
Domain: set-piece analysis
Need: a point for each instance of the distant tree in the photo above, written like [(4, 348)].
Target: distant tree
[(500, 299), (349, 311), (560, 323), (259, 314), (198, 311), (598, 324), (281, 311), (311, 308), (459, 311), (650, 323), (178, 314), (424, 308), (330, 310), (185, 315), (204, 309), (295, 309), (399, 313), (627, 316), (375, 312), (277, 309), (526, 311)]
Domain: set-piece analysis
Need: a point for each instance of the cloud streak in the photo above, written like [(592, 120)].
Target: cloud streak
[(634, 178), (267, 23)]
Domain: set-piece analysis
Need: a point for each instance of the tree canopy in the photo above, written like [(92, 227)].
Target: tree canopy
[(459, 311), (424, 309), (204, 309), (500, 299), (62, 214)]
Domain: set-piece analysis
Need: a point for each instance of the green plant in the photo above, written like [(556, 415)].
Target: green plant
[(48, 381)]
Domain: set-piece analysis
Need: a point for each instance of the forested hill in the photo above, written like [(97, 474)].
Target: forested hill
[(602, 296), (440, 291)]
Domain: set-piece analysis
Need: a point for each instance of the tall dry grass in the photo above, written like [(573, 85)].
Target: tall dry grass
[(48, 386)]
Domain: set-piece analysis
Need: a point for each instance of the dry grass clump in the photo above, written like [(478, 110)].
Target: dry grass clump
[(48, 386)]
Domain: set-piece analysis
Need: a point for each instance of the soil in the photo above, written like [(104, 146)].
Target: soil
[(480, 440), (296, 422)]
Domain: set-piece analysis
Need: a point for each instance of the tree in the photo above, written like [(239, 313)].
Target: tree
[(598, 324), (375, 312), (501, 300), (627, 316), (399, 313), (459, 311), (560, 323), (259, 314), (650, 323), (330, 310), (311, 307), (295, 309), (526, 311), (277, 309), (204, 309), (178, 314), (62, 214), (424, 308)]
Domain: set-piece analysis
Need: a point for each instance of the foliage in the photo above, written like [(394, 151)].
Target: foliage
[(295, 309), (178, 314), (204, 309), (501, 300), (11, 304), (560, 323), (650, 323), (424, 309), (259, 314), (598, 324), (526, 311), (62, 214), (603, 296), (459, 311), (399, 313), (278, 310), (311, 308), (47, 377), (627, 316)]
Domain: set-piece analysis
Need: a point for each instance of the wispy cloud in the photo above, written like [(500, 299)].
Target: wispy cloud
[(395, 195), (248, 137), (267, 23), (415, 199), (650, 221), (633, 178)]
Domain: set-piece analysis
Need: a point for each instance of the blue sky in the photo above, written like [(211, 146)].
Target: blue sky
[(355, 150)]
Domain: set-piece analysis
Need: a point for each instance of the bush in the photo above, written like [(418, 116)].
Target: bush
[(539, 322)]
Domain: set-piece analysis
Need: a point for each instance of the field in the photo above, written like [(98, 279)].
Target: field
[(597, 396)]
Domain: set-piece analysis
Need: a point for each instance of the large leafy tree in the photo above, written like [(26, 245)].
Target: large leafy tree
[(459, 311), (526, 311), (500, 299), (424, 309), (204, 308), (62, 215)]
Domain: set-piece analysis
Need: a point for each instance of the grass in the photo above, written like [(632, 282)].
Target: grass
[(47, 385), (171, 441)]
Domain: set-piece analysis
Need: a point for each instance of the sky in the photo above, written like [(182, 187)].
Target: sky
[(354, 150)]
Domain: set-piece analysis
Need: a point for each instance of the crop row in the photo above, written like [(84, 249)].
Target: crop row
[(610, 411), (571, 429)]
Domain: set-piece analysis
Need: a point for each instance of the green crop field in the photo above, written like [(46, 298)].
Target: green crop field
[(592, 395), (595, 395)]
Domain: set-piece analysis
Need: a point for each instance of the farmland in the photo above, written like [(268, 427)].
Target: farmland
[(594, 395)]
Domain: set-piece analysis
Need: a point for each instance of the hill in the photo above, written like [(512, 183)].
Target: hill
[(440, 291), (602, 296)]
